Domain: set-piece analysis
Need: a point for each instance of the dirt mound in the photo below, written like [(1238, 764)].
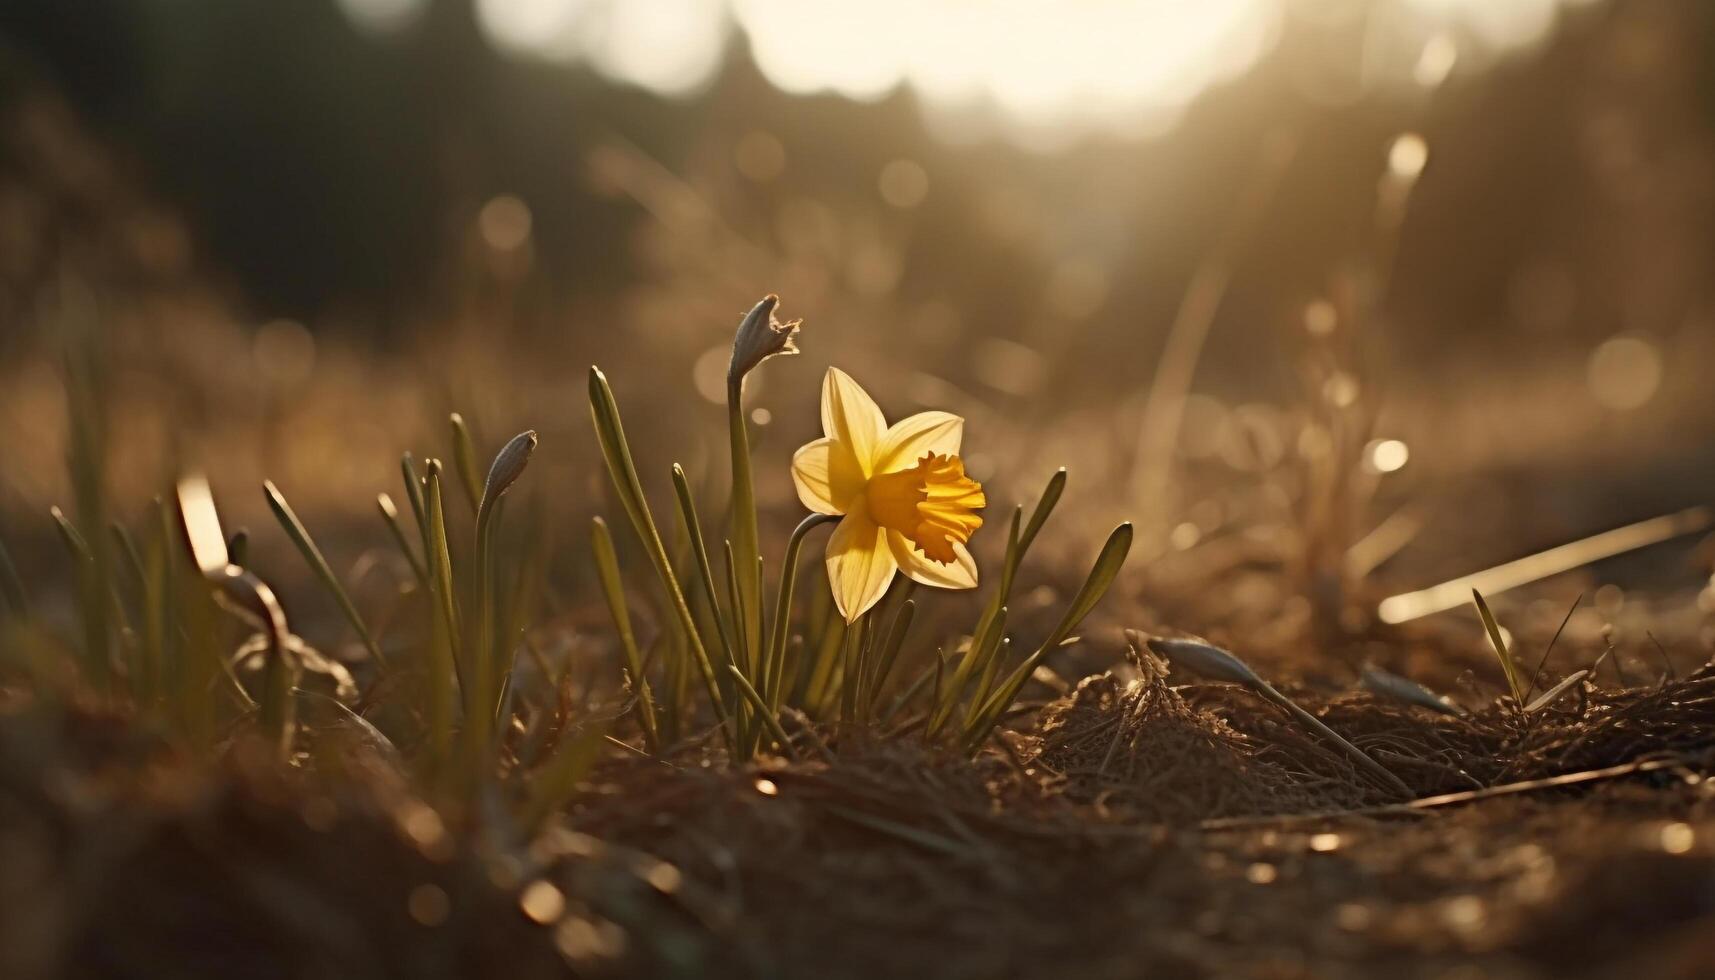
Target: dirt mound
[(1141, 752)]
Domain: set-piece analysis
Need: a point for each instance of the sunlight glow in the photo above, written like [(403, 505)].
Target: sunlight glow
[(1037, 63), (668, 46), (1042, 71)]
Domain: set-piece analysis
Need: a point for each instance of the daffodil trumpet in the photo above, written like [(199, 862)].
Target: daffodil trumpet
[(900, 491)]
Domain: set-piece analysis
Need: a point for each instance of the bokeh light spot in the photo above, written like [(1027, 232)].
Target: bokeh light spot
[(542, 903), (1625, 372), (429, 905), (904, 183), (1386, 455), (504, 223), (1408, 155)]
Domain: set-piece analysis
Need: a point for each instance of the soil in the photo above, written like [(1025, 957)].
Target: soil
[(1134, 826)]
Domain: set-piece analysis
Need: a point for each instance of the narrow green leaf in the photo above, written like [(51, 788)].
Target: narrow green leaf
[(445, 659), (1499, 643), (705, 576), (414, 492), (306, 546), (390, 516), (607, 572), (769, 719), (487, 668), (623, 471), (1102, 574), (889, 654), (71, 537), (464, 460)]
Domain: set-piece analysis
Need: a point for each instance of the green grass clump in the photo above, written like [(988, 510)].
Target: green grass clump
[(771, 663), (177, 618)]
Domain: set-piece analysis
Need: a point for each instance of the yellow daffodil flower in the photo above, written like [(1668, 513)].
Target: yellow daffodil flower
[(901, 492)]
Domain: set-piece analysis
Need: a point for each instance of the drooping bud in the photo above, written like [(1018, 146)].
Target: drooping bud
[(760, 336)]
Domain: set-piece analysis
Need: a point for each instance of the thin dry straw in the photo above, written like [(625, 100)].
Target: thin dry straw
[(1553, 694), (1448, 595), (1537, 674), (1637, 766)]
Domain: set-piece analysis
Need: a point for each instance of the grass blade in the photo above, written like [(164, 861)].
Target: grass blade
[(610, 433), (890, 645), (445, 661), (700, 555), (71, 537), (607, 572), (770, 720), (414, 492), (390, 515), (1102, 574), (313, 557), (1499, 643), (464, 460), (488, 672)]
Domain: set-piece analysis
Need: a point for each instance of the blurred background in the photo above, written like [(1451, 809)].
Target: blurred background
[(1273, 275)]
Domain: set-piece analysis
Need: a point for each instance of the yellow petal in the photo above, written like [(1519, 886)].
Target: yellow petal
[(908, 439), (827, 476), (860, 565), (958, 574), (850, 416)]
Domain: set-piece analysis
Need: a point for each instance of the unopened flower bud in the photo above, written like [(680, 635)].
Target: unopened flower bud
[(760, 336)]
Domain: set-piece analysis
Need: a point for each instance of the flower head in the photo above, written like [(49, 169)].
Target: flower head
[(901, 491), (760, 336)]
